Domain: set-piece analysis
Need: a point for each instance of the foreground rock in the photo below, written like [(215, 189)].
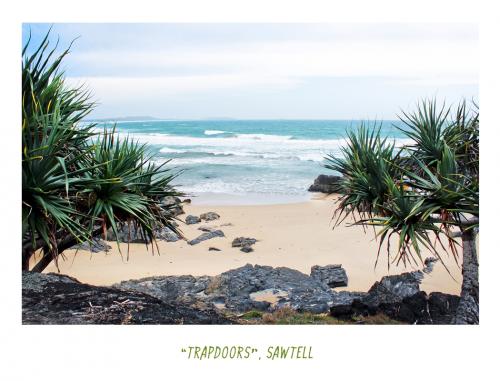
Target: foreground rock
[(59, 299), (239, 290), (325, 184), (331, 275), (400, 298), (205, 236), (245, 244)]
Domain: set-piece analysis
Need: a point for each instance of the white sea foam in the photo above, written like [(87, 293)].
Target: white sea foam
[(214, 132)]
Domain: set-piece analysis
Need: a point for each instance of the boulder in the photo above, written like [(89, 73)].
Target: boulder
[(59, 299), (172, 205), (205, 236), (331, 275), (244, 243), (442, 307), (325, 184), (190, 220), (213, 249), (209, 216)]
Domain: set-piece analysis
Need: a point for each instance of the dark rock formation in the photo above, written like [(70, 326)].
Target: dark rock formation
[(331, 275), (245, 244), (59, 299), (190, 220), (400, 298), (239, 290), (325, 184), (429, 264), (205, 236), (209, 216), (95, 246), (213, 249)]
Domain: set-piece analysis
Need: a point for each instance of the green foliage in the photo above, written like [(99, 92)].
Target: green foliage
[(77, 182), (424, 191)]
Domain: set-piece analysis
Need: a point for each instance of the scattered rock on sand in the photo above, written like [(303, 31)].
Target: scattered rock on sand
[(244, 243), (172, 205), (213, 249), (205, 236), (332, 275), (190, 220), (209, 216), (205, 228), (325, 184)]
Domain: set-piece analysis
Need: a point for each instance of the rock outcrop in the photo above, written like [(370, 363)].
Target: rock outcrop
[(400, 298), (332, 275), (59, 299), (325, 184)]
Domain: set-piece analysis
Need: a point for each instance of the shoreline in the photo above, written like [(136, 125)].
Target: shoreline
[(295, 235)]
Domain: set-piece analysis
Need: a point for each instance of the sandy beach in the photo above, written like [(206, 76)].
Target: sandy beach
[(297, 235)]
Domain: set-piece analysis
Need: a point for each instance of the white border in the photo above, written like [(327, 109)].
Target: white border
[(134, 353)]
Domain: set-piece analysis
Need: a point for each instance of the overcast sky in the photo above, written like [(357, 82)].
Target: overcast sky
[(259, 71)]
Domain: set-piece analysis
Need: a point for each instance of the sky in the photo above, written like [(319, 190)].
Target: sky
[(266, 71)]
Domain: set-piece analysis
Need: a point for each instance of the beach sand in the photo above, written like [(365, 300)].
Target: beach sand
[(295, 235)]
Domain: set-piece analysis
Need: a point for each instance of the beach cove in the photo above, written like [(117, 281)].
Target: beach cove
[(296, 235)]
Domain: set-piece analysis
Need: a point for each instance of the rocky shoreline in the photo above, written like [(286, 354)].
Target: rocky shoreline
[(59, 299)]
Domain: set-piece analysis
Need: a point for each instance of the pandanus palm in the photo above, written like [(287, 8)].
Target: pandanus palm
[(77, 183), (423, 192)]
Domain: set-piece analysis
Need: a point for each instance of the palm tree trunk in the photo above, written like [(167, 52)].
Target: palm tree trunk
[(468, 307)]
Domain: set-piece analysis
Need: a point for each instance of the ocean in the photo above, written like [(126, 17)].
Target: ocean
[(246, 161)]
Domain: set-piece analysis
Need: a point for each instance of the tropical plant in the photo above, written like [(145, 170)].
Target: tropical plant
[(77, 183), (426, 193)]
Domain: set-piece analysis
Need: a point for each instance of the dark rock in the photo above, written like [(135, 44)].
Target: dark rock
[(187, 201), (59, 299), (130, 234), (325, 184), (127, 233), (95, 246), (209, 216), (332, 275), (242, 241), (167, 235), (213, 249), (205, 228), (442, 307), (342, 303), (245, 244), (190, 220), (172, 205), (414, 310), (205, 236)]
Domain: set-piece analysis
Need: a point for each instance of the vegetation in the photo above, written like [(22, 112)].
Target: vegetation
[(286, 316), (425, 193), (78, 183)]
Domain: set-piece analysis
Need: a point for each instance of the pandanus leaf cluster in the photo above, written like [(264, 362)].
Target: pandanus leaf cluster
[(424, 192), (78, 182)]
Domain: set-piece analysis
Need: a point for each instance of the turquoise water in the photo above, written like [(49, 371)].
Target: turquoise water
[(272, 159)]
